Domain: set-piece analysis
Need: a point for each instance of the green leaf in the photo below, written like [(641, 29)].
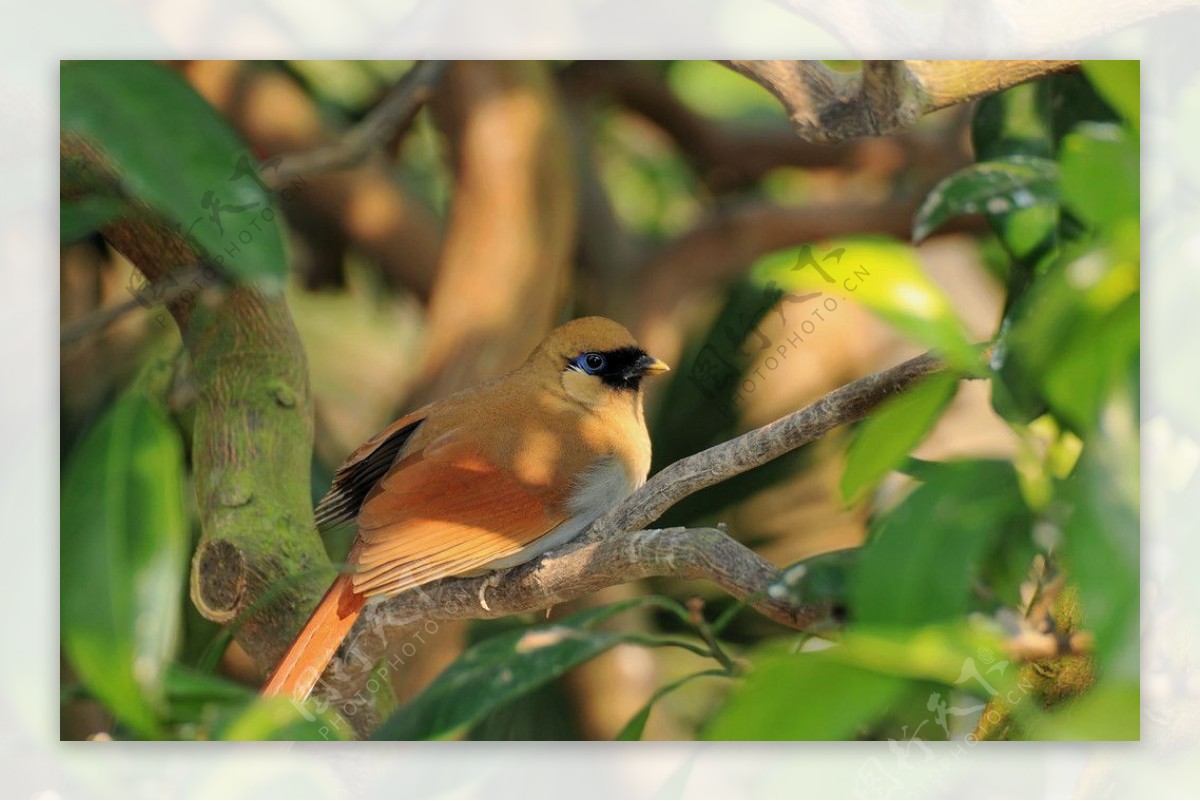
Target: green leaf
[(1030, 120), (78, 218), (846, 689), (1094, 362), (1119, 83), (1074, 336), (488, 675), (888, 435), (637, 724), (923, 556), (1101, 174), (993, 187), (196, 700), (806, 696), (823, 579), (172, 151), (1101, 538), (1015, 122), (883, 275), (1110, 712), (124, 547), (280, 719)]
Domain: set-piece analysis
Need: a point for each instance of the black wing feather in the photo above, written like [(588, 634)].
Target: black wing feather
[(353, 482)]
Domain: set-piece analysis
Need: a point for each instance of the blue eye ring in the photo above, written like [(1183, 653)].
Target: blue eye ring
[(591, 363)]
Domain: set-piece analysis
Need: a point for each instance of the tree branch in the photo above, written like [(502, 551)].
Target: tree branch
[(886, 96), (390, 116), (606, 555)]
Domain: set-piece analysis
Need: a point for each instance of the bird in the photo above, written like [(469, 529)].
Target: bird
[(482, 480)]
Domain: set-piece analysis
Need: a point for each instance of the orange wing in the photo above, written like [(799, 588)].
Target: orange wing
[(445, 514)]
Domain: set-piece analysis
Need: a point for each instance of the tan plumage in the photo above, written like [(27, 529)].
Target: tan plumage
[(486, 478)]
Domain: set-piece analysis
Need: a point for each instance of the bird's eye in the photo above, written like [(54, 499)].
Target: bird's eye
[(591, 363)]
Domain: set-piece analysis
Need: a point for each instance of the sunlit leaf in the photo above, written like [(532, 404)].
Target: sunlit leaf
[(923, 556), (172, 151), (1109, 712), (499, 669), (281, 719), (841, 691), (123, 554), (804, 697), (883, 275), (994, 187), (1119, 83), (893, 430)]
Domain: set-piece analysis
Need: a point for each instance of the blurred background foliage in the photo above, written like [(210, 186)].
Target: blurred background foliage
[(956, 520)]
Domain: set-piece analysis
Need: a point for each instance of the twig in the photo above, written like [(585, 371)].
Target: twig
[(695, 608), (394, 113), (887, 96), (165, 292)]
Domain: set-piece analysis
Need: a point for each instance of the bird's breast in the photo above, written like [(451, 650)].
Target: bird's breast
[(599, 488), (602, 486)]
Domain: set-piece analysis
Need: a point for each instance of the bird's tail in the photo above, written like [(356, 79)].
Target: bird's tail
[(306, 658)]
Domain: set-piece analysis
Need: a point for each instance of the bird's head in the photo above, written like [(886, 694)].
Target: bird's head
[(595, 359)]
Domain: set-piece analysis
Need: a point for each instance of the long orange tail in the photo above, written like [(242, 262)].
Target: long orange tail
[(302, 665)]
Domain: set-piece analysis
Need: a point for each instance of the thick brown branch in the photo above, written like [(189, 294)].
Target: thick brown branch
[(252, 430), (887, 96)]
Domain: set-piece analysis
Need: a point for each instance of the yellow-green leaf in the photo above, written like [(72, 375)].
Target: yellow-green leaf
[(892, 431), (883, 275), (124, 545)]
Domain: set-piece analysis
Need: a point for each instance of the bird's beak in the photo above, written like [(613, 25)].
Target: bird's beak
[(648, 365)]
